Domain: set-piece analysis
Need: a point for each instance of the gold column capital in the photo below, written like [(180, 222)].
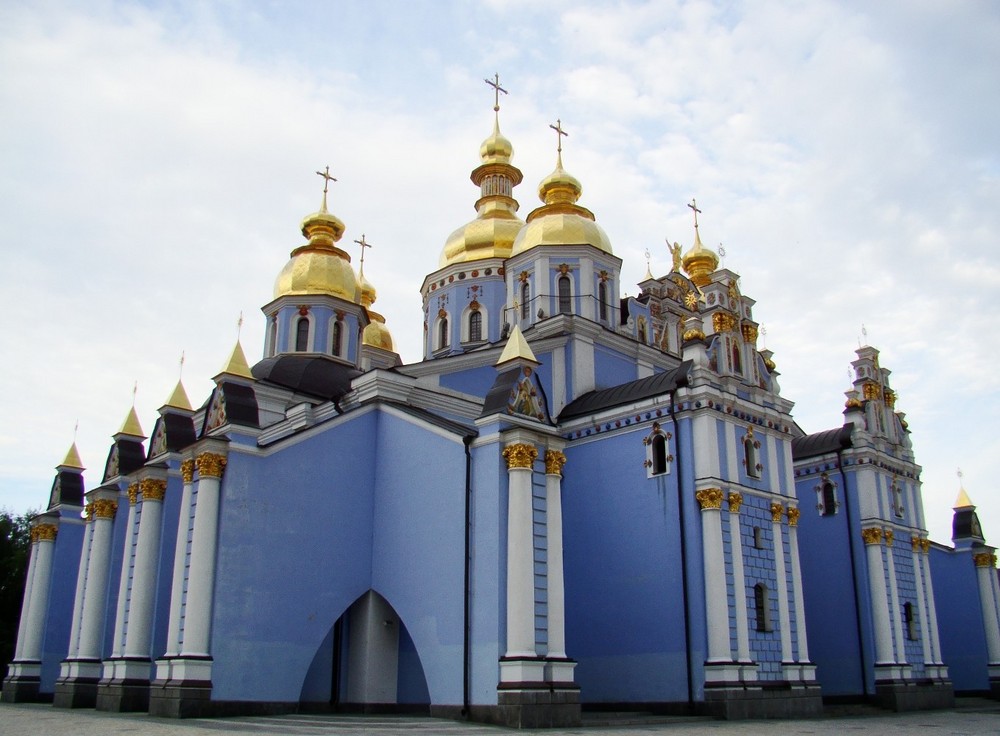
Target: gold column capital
[(735, 501), (916, 543), (925, 544), (520, 455), (44, 533), (889, 537), (187, 471), (133, 494), (105, 508), (88, 512), (985, 559), (709, 498), (153, 489), (210, 464), (872, 535), (777, 511), (554, 461), (793, 514)]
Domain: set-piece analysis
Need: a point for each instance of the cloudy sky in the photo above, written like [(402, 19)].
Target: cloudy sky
[(157, 158)]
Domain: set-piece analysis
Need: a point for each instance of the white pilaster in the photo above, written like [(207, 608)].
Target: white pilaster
[(98, 571), (118, 639), (931, 607), (801, 640), (780, 571), (553, 503), (922, 614), (716, 598), (739, 580), (140, 615), (180, 563), (81, 584), (22, 629), (986, 577), (34, 627), (876, 588), (896, 609)]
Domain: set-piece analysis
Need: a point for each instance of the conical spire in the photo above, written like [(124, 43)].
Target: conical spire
[(72, 459), (179, 398), (517, 348), (131, 426), (963, 501), (237, 364)]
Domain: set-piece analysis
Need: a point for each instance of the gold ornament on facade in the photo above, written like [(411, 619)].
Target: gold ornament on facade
[(211, 465), (520, 455), (44, 533), (749, 332), (915, 544), (890, 398), (554, 461), (153, 489), (872, 391), (852, 403), (693, 334), (523, 276), (889, 537), (187, 471), (723, 322), (563, 268), (735, 501), (133, 494), (777, 511), (793, 516), (985, 559), (872, 535), (925, 544), (105, 508), (709, 498), (88, 512)]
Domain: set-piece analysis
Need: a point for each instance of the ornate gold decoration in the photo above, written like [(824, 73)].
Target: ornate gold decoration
[(889, 537), (44, 533), (985, 559), (520, 455), (749, 333), (187, 471), (872, 391), (723, 322), (693, 334), (690, 300), (442, 314), (852, 403), (554, 461), (872, 535), (709, 498), (915, 543), (777, 511), (88, 512), (793, 516), (925, 544), (474, 305), (523, 276), (133, 494), (211, 465), (153, 489), (890, 398), (604, 276), (105, 508), (563, 268), (735, 501)]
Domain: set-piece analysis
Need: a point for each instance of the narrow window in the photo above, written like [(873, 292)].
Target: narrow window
[(302, 335), (525, 300), (762, 607), (565, 304), (659, 448), (897, 499), (273, 336), (602, 296), (909, 621), (750, 456), (642, 331), (475, 326), (829, 499), (338, 337), (737, 361), (443, 333), (758, 538)]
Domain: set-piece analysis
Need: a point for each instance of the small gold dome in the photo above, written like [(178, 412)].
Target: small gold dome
[(366, 291), (377, 334), (496, 149), (700, 262), (319, 267), (481, 238)]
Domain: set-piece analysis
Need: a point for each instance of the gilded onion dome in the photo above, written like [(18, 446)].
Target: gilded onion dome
[(319, 266), (700, 262), (560, 220), (492, 233), (375, 333)]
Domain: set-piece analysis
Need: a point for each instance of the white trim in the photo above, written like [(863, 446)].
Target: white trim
[(293, 333)]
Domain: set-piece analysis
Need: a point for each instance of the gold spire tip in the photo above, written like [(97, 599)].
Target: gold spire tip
[(179, 398), (72, 459), (326, 184), (237, 364), (497, 89), (131, 424), (517, 348)]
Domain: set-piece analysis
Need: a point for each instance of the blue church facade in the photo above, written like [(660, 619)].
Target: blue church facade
[(574, 500)]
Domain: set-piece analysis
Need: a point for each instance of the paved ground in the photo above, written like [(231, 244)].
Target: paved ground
[(972, 717)]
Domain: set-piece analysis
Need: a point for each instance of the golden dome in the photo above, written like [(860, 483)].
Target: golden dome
[(366, 290), (319, 267), (491, 237), (700, 262), (376, 333), (560, 221), (496, 149)]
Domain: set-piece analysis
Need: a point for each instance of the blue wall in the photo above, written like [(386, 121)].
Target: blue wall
[(960, 619)]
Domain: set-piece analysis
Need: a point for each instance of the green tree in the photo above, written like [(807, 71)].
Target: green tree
[(15, 547)]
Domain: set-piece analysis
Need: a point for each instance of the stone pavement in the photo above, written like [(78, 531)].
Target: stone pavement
[(971, 717)]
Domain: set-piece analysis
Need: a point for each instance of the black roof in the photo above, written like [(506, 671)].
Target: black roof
[(643, 388), (67, 488), (241, 404), (821, 443), (316, 375)]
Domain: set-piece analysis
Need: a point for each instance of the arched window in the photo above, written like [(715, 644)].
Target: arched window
[(642, 331), (737, 360), (302, 335), (897, 499), (475, 326), (909, 621), (659, 450), (758, 538), (273, 336), (829, 499), (525, 300), (750, 455), (336, 344), (443, 333), (565, 303), (762, 607), (602, 298)]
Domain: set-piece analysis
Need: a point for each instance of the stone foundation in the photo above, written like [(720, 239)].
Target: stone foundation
[(906, 695), (779, 700), (542, 707)]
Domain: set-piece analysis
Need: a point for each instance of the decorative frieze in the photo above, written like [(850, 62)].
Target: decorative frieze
[(735, 501), (88, 512), (872, 535), (554, 461), (211, 464), (749, 332), (153, 489), (709, 498), (520, 455), (723, 322)]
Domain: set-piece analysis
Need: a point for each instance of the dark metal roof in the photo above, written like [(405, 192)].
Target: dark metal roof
[(499, 394), (644, 388), (241, 404), (315, 375), (67, 488), (821, 443)]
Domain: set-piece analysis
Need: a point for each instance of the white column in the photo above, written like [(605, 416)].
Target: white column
[(180, 562), (895, 612), (925, 561), (923, 617), (118, 638), (986, 577), (81, 583), (22, 628), (784, 617), (520, 554), (716, 598), (876, 588), (201, 575), (801, 640), (140, 615), (34, 627), (739, 579), (98, 569), (554, 461)]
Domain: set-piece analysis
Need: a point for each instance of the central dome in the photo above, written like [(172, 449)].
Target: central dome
[(319, 266)]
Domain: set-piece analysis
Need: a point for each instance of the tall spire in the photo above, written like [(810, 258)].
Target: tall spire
[(72, 459)]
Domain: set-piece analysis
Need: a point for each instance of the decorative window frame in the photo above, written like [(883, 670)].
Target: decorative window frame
[(821, 505), (441, 337), (896, 499), (751, 455), (603, 308), (758, 538), (762, 608), (524, 309), (911, 627), (272, 334), (474, 308), (563, 278), (293, 334), (651, 441), (336, 350)]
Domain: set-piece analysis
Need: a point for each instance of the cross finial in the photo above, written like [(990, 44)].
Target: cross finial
[(135, 390), (559, 136), (763, 337), (239, 326), (694, 207), (76, 428), (722, 255), (497, 89), (180, 367), (864, 333), (326, 183), (959, 474), (364, 244)]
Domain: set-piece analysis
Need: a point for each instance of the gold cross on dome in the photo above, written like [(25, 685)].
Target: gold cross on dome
[(497, 89), (694, 206), (364, 244), (326, 182), (559, 134)]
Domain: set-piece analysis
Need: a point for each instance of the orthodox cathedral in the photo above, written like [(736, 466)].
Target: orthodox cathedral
[(573, 501)]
